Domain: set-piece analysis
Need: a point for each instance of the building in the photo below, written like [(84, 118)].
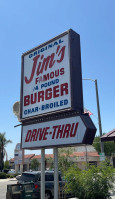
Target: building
[(81, 155)]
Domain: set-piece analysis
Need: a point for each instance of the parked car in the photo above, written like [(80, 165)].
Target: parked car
[(35, 176), (5, 170), (11, 171), (18, 177)]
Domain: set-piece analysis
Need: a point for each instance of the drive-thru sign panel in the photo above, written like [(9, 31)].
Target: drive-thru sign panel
[(61, 132)]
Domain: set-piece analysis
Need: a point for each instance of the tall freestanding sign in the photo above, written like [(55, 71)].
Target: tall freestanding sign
[(51, 103)]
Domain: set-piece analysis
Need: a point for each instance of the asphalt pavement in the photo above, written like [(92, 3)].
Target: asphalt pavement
[(3, 186)]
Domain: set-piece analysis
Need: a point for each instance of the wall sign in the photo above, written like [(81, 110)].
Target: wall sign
[(69, 131), (51, 77)]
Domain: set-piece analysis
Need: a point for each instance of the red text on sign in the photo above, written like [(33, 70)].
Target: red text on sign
[(59, 132), (56, 91), (41, 64)]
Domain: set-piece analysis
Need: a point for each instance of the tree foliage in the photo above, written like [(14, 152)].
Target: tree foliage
[(3, 144), (64, 159), (94, 183), (34, 164), (6, 164), (109, 147)]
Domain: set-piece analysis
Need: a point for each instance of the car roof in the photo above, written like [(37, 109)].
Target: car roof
[(31, 172), (39, 172)]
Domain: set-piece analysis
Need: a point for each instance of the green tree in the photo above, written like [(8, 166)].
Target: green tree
[(3, 144), (64, 159), (94, 183), (50, 161), (109, 147), (34, 164), (6, 164)]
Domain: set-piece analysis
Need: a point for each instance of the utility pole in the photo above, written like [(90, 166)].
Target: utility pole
[(99, 115)]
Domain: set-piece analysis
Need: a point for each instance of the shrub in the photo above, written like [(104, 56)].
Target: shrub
[(16, 174), (93, 183), (2, 175), (8, 175), (11, 176)]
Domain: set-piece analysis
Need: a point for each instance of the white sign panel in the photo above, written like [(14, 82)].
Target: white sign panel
[(46, 78), (18, 154), (54, 133)]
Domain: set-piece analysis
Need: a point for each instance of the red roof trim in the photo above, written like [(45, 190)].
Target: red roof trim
[(74, 154)]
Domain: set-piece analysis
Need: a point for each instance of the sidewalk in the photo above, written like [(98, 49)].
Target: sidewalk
[(7, 179)]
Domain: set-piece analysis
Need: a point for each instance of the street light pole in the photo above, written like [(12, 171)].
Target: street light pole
[(98, 110)]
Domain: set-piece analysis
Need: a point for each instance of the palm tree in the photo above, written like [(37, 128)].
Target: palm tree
[(3, 144)]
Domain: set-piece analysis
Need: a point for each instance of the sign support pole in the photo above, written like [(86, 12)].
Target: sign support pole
[(43, 173), (56, 173), (23, 158)]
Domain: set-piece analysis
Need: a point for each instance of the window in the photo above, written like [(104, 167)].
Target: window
[(49, 177), (27, 177)]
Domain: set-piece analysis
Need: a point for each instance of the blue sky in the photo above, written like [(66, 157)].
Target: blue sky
[(26, 24)]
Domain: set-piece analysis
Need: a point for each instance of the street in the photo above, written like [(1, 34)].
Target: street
[(3, 186), (4, 182)]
